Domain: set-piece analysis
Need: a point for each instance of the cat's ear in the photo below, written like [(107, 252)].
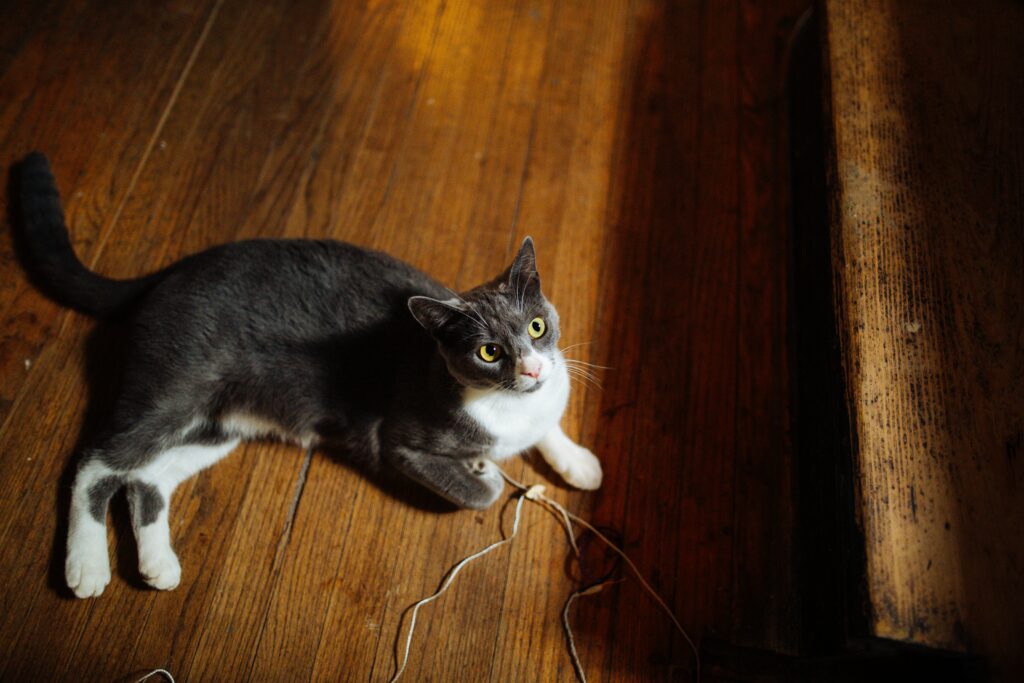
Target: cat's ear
[(522, 274), (433, 314)]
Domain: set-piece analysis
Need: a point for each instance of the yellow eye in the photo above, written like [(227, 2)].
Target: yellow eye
[(537, 328), (489, 352)]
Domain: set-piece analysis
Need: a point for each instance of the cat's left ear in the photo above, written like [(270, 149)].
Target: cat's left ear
[(432, 314), (522, 274)]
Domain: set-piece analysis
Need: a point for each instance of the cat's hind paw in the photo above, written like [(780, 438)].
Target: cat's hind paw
[(581, 469), (87, 573), (161, 570)]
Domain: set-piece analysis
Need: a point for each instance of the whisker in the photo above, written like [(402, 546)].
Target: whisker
[(584, 378), (573, 363), (587, 378), (476, 322), (515, 288), (586, 385), (588, 364), (573, 346), (469, 306), (583, 371)]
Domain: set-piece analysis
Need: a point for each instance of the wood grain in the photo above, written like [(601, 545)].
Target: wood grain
[(97, 114), (928, 152), (635, 140)]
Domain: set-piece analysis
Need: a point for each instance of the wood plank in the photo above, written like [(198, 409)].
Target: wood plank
[(765, 491), (136, 241), (928, 152), (97, 114), (672, 402), (565, 199), (444, 132), (226, 196), (48, 423), (95, 118)]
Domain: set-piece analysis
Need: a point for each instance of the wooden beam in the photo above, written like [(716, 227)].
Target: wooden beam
[(928, 245)]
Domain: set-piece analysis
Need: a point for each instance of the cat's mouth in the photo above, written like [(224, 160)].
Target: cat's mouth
[(532, 388), (527, 385)]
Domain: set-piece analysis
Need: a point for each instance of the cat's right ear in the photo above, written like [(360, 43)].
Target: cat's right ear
[(432, 314)]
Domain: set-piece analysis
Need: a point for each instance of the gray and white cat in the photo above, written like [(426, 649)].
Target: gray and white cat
[(315, 342)]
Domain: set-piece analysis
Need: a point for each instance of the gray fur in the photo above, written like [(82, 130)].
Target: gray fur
[(317, 337), (146, 502), (100, 494)]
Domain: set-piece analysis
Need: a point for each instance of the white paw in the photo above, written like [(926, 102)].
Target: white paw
[(87, 573), (160, 569), (581, 469)]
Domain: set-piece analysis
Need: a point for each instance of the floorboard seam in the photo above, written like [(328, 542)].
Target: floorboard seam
[(409, 110), (178, 86), (286, 531), (282, 545)]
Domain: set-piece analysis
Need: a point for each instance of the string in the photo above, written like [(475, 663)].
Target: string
[(535, 494), (154, 672), (451, 577), (618, 551), (573, 655)]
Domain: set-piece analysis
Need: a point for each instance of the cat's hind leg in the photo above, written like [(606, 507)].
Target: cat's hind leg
[(87, 565), (149, 497)]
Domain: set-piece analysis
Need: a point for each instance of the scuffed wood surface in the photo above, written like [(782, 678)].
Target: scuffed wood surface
[(926, 102), (636, 140)]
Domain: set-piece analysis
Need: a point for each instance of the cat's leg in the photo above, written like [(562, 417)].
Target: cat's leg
[(472, 483), (577, 465), (87, 565), (149, 498)]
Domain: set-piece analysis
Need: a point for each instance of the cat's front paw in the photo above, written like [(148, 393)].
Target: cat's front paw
[(489, 484), (87, 573), (581, 469), (161, 569)]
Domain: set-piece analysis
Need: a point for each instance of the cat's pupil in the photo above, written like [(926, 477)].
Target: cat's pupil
[(492, 349), (536, 326)]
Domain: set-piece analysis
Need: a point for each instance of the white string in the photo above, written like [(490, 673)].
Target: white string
[(539, 496), (154, 672), (535, 494), (453, 573), (573, 655)]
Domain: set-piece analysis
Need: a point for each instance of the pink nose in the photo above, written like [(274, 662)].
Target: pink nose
[(530, 367)]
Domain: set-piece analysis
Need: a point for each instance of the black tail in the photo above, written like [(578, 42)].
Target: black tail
[(42, 240)]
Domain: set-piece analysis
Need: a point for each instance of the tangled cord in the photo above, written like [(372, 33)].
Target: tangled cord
[(535, 494)]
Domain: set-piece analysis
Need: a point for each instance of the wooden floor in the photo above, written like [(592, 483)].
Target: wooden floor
[(638, 141)]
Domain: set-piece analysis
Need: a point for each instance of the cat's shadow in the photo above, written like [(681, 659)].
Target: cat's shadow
[(392, 484), (102, 379), (99, 356)]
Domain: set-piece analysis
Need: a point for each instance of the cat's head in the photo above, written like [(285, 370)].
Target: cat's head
[(501, 334)]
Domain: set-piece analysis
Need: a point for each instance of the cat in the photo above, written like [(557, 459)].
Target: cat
[(311, 341)]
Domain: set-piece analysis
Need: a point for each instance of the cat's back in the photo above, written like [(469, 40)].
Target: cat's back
[(274, 288), (299, 264)]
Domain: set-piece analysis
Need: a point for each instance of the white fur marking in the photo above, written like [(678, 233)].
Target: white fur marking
[(158, 563), (577, 465), (516, 421), (87, 566), (249, 426)]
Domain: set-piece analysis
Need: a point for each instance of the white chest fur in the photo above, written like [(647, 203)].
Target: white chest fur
[(517, 421)]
